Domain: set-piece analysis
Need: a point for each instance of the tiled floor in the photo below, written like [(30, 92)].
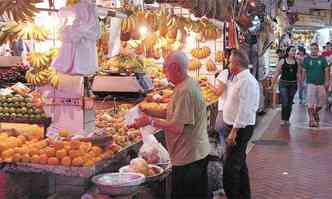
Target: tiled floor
[(296, 163)]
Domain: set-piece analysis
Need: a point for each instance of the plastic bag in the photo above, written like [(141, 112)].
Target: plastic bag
[(152, 151)]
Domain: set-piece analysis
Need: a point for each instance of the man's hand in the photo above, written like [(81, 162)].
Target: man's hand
[(142, 121), (231, 137), (327, 85)]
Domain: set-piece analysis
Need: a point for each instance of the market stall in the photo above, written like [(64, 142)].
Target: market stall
[(83, 94)]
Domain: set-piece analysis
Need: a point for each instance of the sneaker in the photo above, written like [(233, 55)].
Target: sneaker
[(284, 123)]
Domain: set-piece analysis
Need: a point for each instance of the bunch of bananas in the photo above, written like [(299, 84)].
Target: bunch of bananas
[(219, 56), (38, 60), (52, 53), (43, 77), (201, 53), (27, 31), (19, 10), (9, 32), (194, 64), (128, 25), (31, 31)]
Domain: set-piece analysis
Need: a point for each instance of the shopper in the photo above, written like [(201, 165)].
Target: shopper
[(317, 73), (289, 71), (220, 90), (239, 114), (280, 54), (186, 131), (302, 86)]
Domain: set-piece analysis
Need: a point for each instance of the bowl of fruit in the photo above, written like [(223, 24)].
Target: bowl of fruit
[(150, 171)]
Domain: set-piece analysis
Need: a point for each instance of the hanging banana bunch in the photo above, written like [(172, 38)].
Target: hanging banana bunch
[(19, 10), (40, 72), (40, 78), (31, 31)]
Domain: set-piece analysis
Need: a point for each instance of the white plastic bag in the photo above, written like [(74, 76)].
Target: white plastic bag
[(152, 151)]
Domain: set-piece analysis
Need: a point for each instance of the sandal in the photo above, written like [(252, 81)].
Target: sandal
[(316, 117), (313, 124)]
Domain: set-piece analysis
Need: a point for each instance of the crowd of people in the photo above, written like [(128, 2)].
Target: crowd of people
[(305, 74), (185, 121)]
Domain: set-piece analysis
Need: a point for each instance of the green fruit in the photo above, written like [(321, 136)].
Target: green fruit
[(29, 105), (12, 110), (30, 111), (38, 117), (19, 115), (5, 109), (20, 99), (23, 104), (7, 114), (13, 115), (24, 110), (9, 100), (26, 116), (5, 104), (28, 100), (17, 104)]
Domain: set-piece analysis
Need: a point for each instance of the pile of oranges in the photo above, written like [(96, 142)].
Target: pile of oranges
[(51, 152)]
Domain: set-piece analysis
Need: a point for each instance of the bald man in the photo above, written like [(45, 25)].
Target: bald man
[(185, 125)]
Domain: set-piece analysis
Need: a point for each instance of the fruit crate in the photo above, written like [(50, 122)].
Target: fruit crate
[(45, 122)]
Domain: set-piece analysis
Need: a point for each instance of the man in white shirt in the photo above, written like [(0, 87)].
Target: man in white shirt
[(239, 114)]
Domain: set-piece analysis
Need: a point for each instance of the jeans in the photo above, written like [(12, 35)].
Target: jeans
[(235, 171), (303, 92), (190, 181), (219, 126), (287, 93)]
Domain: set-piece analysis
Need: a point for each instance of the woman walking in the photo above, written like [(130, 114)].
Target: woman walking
[(290, 74)]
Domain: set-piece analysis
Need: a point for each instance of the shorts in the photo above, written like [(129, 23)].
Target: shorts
[(316, 96)]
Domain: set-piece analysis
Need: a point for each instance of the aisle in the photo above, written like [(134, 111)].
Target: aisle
[(295, 162)]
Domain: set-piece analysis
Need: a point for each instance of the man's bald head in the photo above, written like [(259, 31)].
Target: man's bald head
[(175, 66)]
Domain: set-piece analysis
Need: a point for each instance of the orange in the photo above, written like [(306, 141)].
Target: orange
[(88, 163), (35, 159), (66, 161), (78, 161), (85, 147), (75, 144), (22, 138), (25, 158), (97, 150), (74, 153), (58, 145), (61, 153), (34, 151), (7, 153), (17, 157), (53, 161), (41, 144), (50, 152), (43, 159)]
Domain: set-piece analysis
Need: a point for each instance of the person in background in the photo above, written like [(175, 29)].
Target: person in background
[(327, 53), (239, 114), (290, 74), (317, 74), (302, 86), (219, 90), (185, 124), (280, 54)]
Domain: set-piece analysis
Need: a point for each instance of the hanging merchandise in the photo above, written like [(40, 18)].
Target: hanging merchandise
[(19, 10), (78, 53), (232, 35), (114, 37)]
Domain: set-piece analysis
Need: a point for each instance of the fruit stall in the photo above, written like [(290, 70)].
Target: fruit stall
[(75, 116)]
